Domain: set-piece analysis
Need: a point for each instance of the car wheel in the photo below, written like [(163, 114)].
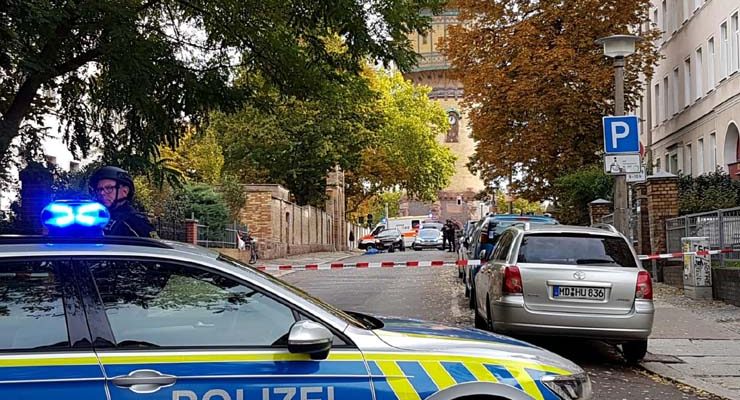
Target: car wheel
[(489, 319), (634, 351), (415, 248), (480, 322)]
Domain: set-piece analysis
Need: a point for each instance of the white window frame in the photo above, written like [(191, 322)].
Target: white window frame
[(686, 11), (664, 19), (700, 156), (734, 33), (713, 151), (657, 101), (711, 69), (724, 47), (699, 72), (688, 160), (667, 95), (697, 5), (688, 81), (675, 89)]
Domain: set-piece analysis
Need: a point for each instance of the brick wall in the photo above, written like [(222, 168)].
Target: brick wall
[(662, 199), (639, 194), (598, 209), (726, 285)]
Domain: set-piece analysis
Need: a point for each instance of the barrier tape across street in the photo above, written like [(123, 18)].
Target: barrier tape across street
[(382, 264), (458, 263)]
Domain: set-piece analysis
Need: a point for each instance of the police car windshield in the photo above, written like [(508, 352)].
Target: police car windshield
[(318, 302)]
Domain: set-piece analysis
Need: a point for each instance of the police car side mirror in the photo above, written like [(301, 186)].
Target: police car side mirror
[(308, 337)]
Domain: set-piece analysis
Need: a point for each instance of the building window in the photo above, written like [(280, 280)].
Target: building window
[(735, 41), (724, 47), (674, 91), (688, 80), (700, 157), (713, 151), (667, 163), (663, 22), (424, 38), (710, 65), (687, 160), (666, 97), (699, 73), (674, 163), (697, 4), (655, 17), (658, 105), (685, 9)]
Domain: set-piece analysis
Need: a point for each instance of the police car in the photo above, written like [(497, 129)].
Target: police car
[(89, 317)]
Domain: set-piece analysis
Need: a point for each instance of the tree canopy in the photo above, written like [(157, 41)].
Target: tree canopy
[(536, 84), (127, 76), (576, 190)]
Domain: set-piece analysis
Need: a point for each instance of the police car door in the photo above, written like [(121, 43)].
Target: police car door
[(45, 346), (178, 331)]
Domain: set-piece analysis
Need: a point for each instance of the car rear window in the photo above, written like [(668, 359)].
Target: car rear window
[(429, 233), (575, 249)]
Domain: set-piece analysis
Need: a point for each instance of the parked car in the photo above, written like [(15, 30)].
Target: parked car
[(567, 281), (428, 238), (390, 239), (484, 240)]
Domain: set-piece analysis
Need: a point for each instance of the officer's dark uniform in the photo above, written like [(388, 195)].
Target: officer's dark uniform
[(125, 221)]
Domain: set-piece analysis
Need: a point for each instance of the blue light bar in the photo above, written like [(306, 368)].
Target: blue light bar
[(74, 215)]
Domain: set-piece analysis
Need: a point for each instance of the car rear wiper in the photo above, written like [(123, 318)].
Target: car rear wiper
[(594, 261)]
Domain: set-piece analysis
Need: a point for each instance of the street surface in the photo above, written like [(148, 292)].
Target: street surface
[(437, 294)]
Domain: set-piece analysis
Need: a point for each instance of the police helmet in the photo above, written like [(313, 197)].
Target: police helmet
[(114, 173)]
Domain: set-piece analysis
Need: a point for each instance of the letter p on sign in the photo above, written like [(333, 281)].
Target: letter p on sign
[(621, 134)]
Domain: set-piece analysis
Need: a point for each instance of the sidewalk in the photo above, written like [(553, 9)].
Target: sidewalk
[(695, 342)]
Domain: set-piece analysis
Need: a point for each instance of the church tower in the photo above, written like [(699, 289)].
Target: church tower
[(457, 201)]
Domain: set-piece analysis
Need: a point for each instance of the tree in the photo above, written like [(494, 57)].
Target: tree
[(707, 192), (198, 157), (536, 85), (130, 75), (519, 205), (576, 190), (404, 153), (208, 207)]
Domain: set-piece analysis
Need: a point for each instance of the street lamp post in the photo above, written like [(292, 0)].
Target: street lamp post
[(618, 47)]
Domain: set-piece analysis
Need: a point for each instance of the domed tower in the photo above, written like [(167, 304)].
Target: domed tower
[(458, 199)]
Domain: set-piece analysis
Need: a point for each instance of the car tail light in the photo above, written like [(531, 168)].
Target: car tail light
[(644, 288), (512, 280)]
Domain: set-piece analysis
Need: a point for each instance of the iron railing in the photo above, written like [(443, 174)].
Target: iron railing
[(170, 229), (722, 227), (225, 239)]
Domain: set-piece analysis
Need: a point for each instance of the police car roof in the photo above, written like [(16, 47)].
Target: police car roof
[(14, 245)]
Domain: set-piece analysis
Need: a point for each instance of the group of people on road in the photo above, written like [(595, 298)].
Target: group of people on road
[(449, 235)]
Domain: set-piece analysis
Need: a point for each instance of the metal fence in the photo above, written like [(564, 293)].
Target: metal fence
[(722, 227), (170, 229), (222, 238)]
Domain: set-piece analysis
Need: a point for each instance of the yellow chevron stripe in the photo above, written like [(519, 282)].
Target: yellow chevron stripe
[(47, 362), (400, 386), (509, 363), (480, 372), (210, 357), (439, 374), (526, 382)]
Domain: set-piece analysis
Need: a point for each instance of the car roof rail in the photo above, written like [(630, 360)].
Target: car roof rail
[(117, 240), (525, 225), (606, 227)]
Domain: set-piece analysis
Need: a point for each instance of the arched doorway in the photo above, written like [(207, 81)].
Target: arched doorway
[(732, 151)]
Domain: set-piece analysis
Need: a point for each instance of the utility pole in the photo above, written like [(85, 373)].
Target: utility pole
[(621, 215)]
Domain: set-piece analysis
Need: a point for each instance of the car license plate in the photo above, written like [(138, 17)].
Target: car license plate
[(578, 292)]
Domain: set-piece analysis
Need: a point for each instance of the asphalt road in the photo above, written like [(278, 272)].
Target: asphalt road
[(435, 293)]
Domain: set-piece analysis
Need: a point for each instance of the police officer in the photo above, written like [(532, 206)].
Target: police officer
[(114, 187)]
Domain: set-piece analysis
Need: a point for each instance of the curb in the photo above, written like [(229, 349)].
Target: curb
[(672, 374)]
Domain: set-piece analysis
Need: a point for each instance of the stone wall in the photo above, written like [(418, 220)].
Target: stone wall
[(726, 285), (673, 275), (598, 209), (662, 199)]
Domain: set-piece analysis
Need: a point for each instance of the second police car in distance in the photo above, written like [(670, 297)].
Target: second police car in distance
[(92, 317)]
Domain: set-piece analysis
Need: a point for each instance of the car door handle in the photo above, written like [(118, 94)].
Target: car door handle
[(144, 381)]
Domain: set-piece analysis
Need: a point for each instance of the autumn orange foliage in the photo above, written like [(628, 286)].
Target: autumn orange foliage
[(536, 84)]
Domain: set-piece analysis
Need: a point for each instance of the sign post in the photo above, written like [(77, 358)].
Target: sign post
[(622, 157)]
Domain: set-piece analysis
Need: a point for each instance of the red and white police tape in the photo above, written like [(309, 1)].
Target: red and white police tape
[(458, 263), (689, 253), (383, 264)]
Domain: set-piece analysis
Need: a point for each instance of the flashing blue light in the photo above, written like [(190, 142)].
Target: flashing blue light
[(74, 214)]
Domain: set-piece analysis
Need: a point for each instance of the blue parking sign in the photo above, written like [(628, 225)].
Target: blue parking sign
[(621, 134)]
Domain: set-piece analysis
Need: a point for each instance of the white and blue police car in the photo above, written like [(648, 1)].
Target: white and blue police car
[(84, 316)]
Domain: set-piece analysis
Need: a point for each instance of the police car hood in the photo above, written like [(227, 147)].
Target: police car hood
[(417, 335)]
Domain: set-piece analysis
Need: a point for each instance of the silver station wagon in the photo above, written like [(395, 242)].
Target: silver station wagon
[(567, 281)]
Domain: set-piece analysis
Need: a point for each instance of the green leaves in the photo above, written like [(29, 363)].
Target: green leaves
[(576, 190)]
